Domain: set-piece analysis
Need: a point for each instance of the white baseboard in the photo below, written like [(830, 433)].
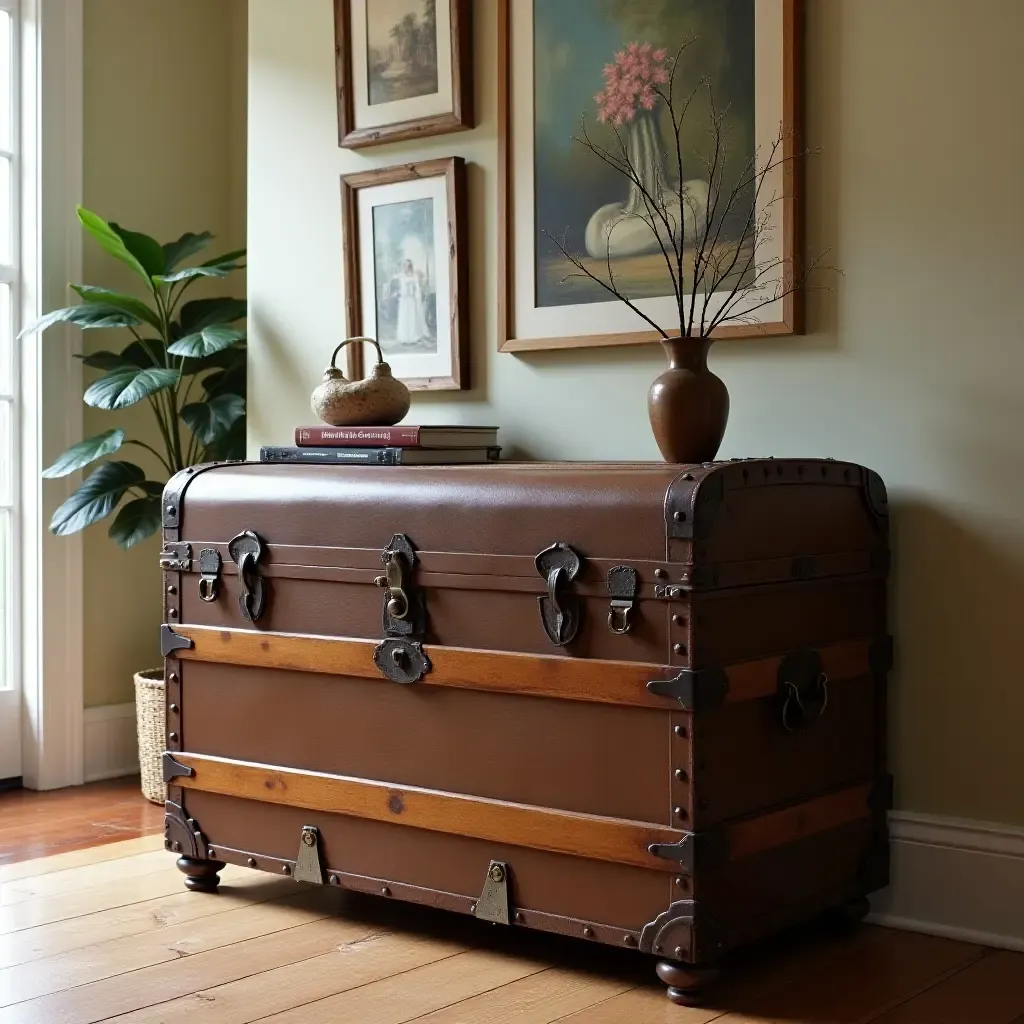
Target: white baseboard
[(111, 742), (958, 879)]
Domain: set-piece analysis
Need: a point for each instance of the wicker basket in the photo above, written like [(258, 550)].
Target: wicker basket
[(149, 713)]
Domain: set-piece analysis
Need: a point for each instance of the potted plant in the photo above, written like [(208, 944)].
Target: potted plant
[(186, 359)]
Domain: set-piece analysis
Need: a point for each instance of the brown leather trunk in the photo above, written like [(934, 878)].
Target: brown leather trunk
[(640, 704)]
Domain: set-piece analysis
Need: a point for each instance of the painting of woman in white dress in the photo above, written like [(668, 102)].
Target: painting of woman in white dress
[(405, 277)]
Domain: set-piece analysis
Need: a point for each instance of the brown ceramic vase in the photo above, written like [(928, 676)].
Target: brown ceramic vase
[(688, 404)]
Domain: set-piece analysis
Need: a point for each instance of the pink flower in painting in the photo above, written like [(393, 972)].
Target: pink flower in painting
[(630, 81)]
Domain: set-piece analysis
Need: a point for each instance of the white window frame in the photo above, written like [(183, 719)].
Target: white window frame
[(50, 421), (10, 669)]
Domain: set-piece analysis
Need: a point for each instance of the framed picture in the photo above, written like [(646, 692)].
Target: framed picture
[(405, 271), (572, 81), (405, 69)]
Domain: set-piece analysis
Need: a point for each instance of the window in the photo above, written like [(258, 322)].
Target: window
[(9, 306)]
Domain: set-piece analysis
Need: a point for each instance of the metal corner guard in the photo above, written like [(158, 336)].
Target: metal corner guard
[(171, 641)]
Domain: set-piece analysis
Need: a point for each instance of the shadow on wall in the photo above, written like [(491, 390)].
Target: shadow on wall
[(956, 692)]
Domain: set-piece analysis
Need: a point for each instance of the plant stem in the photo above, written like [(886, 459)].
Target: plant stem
[(163, 461)]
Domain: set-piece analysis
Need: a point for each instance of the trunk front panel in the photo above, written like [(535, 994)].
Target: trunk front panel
[(553, 753)]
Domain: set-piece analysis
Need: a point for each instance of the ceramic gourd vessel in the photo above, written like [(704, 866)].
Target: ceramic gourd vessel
[(378, 400)]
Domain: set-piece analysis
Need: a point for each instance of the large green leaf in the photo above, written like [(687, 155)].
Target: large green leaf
[(200, 313), (231, 381), (230, 447), (88, 316), (153, 488), (112, 242), (188, 245), (85, 452), (211, 420), (192, 273), (122, 388), (134, 355), (148, 251), (228, 257), (128, 303), (207, 342), (96, 498), (136, 521)]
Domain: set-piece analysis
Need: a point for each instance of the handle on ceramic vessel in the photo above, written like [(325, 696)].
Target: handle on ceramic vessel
[(350, 341)]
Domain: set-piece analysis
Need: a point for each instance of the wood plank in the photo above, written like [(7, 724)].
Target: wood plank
[(541, 828), (108, 959), (138, 919), (863, 983), (537, 999), (80, 858), (539, 675), (990, 991), (415, 993), (542, 675), (64, 906), (350, 966), (821, 814), (151, 985), (73, 879)]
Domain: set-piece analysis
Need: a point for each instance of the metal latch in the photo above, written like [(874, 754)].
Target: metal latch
[(403, 613), (622, 585), (209, 567), (560, 609), (307, 861), (493, 902), (246, 550)]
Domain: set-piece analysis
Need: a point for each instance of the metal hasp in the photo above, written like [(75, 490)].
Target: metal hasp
[(698, 690), (246, 550), (560, 609), (209, 580), (171, 641), (803, 690), (622, 585), (493, 904), (174, 769), (401, 661), (403, 613), (307, 860)]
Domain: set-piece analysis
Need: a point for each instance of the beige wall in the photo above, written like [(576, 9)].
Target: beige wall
[(164, 154), (914, 365)]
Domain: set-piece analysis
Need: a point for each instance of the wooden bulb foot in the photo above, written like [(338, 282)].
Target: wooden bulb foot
[(687, 984), (200, 875)]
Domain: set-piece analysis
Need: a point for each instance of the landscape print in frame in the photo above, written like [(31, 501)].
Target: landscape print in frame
[(405, 271), (404, 69), (566, 71)]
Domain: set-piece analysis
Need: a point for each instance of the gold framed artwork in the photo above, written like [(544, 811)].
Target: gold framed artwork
[(577, 72), (405, 270), (404, 69)]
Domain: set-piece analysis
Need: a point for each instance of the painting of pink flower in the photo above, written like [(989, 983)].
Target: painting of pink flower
[(630, 83)]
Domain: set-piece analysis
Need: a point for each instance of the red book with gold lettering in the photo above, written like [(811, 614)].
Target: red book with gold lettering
[(401, 436)]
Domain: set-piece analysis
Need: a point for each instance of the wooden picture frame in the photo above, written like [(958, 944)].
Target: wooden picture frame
[(446, 368), (356, 127), (516, 198)]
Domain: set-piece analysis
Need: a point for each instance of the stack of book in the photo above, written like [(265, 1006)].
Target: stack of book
[(388, 446)]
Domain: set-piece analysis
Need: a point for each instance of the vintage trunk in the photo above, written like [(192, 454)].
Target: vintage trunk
[(640, 704)]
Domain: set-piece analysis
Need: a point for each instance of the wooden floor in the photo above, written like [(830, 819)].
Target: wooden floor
[(40, 824), (109, 934)]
